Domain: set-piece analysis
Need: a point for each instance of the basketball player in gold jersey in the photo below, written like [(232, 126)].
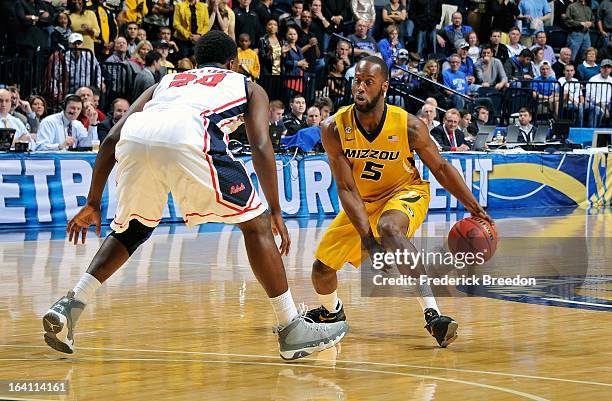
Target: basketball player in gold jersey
[(370, 149)]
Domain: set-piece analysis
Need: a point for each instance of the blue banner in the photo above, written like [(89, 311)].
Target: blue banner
[(47, 189)]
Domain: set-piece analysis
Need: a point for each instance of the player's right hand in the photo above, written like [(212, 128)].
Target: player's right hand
[(279, 228), (80, 223), (479, 212)]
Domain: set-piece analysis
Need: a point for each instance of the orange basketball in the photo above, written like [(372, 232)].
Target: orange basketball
[(474, 235)]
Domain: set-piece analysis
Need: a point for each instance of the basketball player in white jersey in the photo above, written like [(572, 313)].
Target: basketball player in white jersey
[(174, 139)]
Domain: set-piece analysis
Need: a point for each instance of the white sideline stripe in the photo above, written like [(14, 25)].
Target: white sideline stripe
[(569, 301)]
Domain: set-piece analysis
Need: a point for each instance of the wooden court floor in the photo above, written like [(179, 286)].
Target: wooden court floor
[(186, 320)]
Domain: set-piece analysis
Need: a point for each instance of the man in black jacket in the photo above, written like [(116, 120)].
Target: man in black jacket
[(448, 135), (247, 21), (119, 108), (33, 18), (426, 15)]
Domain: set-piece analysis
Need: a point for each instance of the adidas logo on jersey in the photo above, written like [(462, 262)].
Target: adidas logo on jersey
[(237, 188)]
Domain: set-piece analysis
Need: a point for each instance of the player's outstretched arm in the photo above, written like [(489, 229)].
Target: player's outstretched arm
[(256, 125), (345, 183), (90, 213), (445, 173)]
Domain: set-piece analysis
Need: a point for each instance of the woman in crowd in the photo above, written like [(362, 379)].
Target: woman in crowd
[(474, 50), (336, 83), (293, 61), (431, 70), (137, 62), (218, 18), (39, 106), (589, 67), (84, 22), (61, 30), (270, 50)]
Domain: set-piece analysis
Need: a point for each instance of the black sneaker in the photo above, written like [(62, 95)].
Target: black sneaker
[(322, 315), (442, 328)]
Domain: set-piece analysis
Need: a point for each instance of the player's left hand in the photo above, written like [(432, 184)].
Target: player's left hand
[(80, 223), (279, 228)]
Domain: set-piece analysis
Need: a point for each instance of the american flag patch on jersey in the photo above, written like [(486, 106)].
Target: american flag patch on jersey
[(393, 138)]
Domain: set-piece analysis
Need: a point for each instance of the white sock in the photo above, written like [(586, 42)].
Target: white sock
[(86, 288), (284, 308), (331, 302), (428, 302)]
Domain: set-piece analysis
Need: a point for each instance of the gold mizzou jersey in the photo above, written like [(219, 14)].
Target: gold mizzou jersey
[(382, 161)]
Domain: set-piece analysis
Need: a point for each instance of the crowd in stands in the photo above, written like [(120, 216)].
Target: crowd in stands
[(449, 60)]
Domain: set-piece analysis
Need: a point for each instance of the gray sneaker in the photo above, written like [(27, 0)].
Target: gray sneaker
[(301, 337), (59, 322)]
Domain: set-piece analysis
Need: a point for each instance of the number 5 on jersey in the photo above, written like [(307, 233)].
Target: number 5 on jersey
[(372, 171)]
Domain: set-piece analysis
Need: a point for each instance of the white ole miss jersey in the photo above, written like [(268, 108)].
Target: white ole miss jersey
[(197, 107)]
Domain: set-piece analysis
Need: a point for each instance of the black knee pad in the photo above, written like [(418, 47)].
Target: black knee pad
[(136, 234)]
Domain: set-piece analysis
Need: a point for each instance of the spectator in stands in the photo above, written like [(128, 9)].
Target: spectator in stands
[(39, 107), (589, 67), (88, 116), (325, 106), (500, 51), (294, 19), (147, 77), (605, 51), (141, 35), (247, 21), (160, 13), (9, 121), (546, 89), (231, 28), (456, 80), (474, 49), (163, 48), (137, 61), (526, 130), (320, 26), (390, 45), (428, 89), (190, 22), (33, 18), (598, 96), (604, 20), (514, 45), (429, 115), (218, 17), (504, 14), (87, 96), (248, 61), (395, 14), (277, 108), (120, 55), (571, 91), (166, 34), (109, 30), (80, 66), (565, 58), (549, 53), (426, 15), (538, 59), (293, 60), (309, 43), (61, 30), (62, 131), (520, 67), (270, 50), (364, 43), (343, 52), (264, 11), (313, 116), (294, 121), (132, 37), (133, 11), (532, 17), (448, 136), (22, 110), (337, 12), (452, 36), (579, 19), (84, 22), (119, 107), (467, 64), (336, 84), (490, 70)]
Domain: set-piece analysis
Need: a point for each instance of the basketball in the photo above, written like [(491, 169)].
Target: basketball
[(473, 234)]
